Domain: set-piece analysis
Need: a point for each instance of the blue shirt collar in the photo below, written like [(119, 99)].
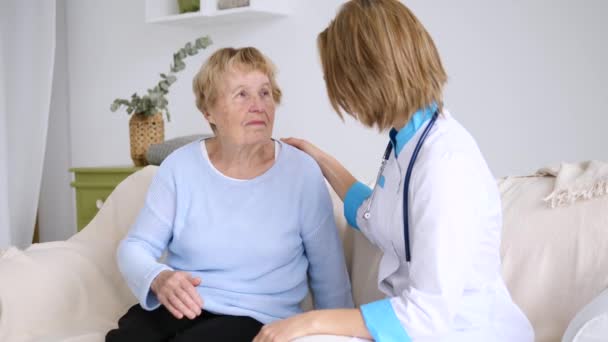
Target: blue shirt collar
[(401, 137)]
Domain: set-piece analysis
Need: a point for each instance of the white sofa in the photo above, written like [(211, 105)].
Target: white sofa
[(555, 261)]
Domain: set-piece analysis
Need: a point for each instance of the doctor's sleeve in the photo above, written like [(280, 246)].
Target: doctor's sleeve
[(445, 198), (355, 202)]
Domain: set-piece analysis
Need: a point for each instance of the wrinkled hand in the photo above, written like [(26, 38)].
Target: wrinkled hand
[(176, 290), (286, 330), (305, 146)]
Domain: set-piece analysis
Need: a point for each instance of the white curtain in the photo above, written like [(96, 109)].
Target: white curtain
[(27, 57), (5, 234)]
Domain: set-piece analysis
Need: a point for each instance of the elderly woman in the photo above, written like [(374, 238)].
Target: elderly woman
[(244, 220)]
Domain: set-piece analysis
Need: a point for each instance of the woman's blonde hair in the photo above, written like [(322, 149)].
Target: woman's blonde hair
[(206, 83), (379, 63)]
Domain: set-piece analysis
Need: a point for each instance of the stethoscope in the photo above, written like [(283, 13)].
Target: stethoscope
[(406, 185)]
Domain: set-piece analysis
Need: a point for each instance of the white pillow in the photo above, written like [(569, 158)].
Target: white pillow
[(591, 323)]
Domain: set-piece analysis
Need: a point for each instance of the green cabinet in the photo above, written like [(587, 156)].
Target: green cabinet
[(93, 185)]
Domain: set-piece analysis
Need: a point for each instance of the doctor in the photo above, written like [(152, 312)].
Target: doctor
[(434, 211)]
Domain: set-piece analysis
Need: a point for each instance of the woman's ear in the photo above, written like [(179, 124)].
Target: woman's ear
[(210, 117)]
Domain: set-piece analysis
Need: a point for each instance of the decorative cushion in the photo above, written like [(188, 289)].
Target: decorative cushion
[(156, 153), (554, 259)]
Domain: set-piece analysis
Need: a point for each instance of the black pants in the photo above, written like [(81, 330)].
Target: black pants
[(160, 325)]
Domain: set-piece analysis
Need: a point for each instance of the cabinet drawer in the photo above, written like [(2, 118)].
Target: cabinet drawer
[(101, 177), (88, 203), (93, 186)]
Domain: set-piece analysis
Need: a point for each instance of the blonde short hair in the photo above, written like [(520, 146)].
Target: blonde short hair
[(206, 83), (379, 62)]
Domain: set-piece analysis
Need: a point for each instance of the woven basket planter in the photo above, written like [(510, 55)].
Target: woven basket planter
[(143, 132)]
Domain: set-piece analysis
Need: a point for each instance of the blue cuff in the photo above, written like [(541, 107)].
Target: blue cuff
[(382, 322), (355, 196)]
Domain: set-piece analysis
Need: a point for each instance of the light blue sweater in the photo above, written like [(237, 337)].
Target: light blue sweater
[(251, 242)]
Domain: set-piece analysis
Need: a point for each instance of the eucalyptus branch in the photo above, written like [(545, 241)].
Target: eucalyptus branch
[(155, 100)]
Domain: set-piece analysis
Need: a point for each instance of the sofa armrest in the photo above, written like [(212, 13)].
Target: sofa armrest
[(53, 287)]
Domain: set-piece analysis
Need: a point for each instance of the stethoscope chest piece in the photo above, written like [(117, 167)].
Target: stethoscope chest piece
[(389, 149)]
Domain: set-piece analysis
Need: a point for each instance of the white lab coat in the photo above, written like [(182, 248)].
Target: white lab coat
[(452, 289)]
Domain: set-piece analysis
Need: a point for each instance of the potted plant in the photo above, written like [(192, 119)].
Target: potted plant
[(188, 5), (146, 126)]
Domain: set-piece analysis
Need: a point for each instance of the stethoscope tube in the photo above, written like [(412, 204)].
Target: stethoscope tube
[(406, 187), (406, 184)]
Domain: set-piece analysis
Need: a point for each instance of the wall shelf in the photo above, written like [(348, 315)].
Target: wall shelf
[(167, 12)]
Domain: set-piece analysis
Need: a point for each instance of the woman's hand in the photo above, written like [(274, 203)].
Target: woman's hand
[(287, 329), (177, 292)]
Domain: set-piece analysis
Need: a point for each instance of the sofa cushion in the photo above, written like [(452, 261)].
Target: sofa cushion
[(554, 259), (364, 270)]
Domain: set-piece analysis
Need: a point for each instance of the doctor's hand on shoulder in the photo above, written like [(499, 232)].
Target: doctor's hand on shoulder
[(305, 146), (338, 177)]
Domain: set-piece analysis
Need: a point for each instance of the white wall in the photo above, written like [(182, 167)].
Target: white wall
[(524, 78)]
